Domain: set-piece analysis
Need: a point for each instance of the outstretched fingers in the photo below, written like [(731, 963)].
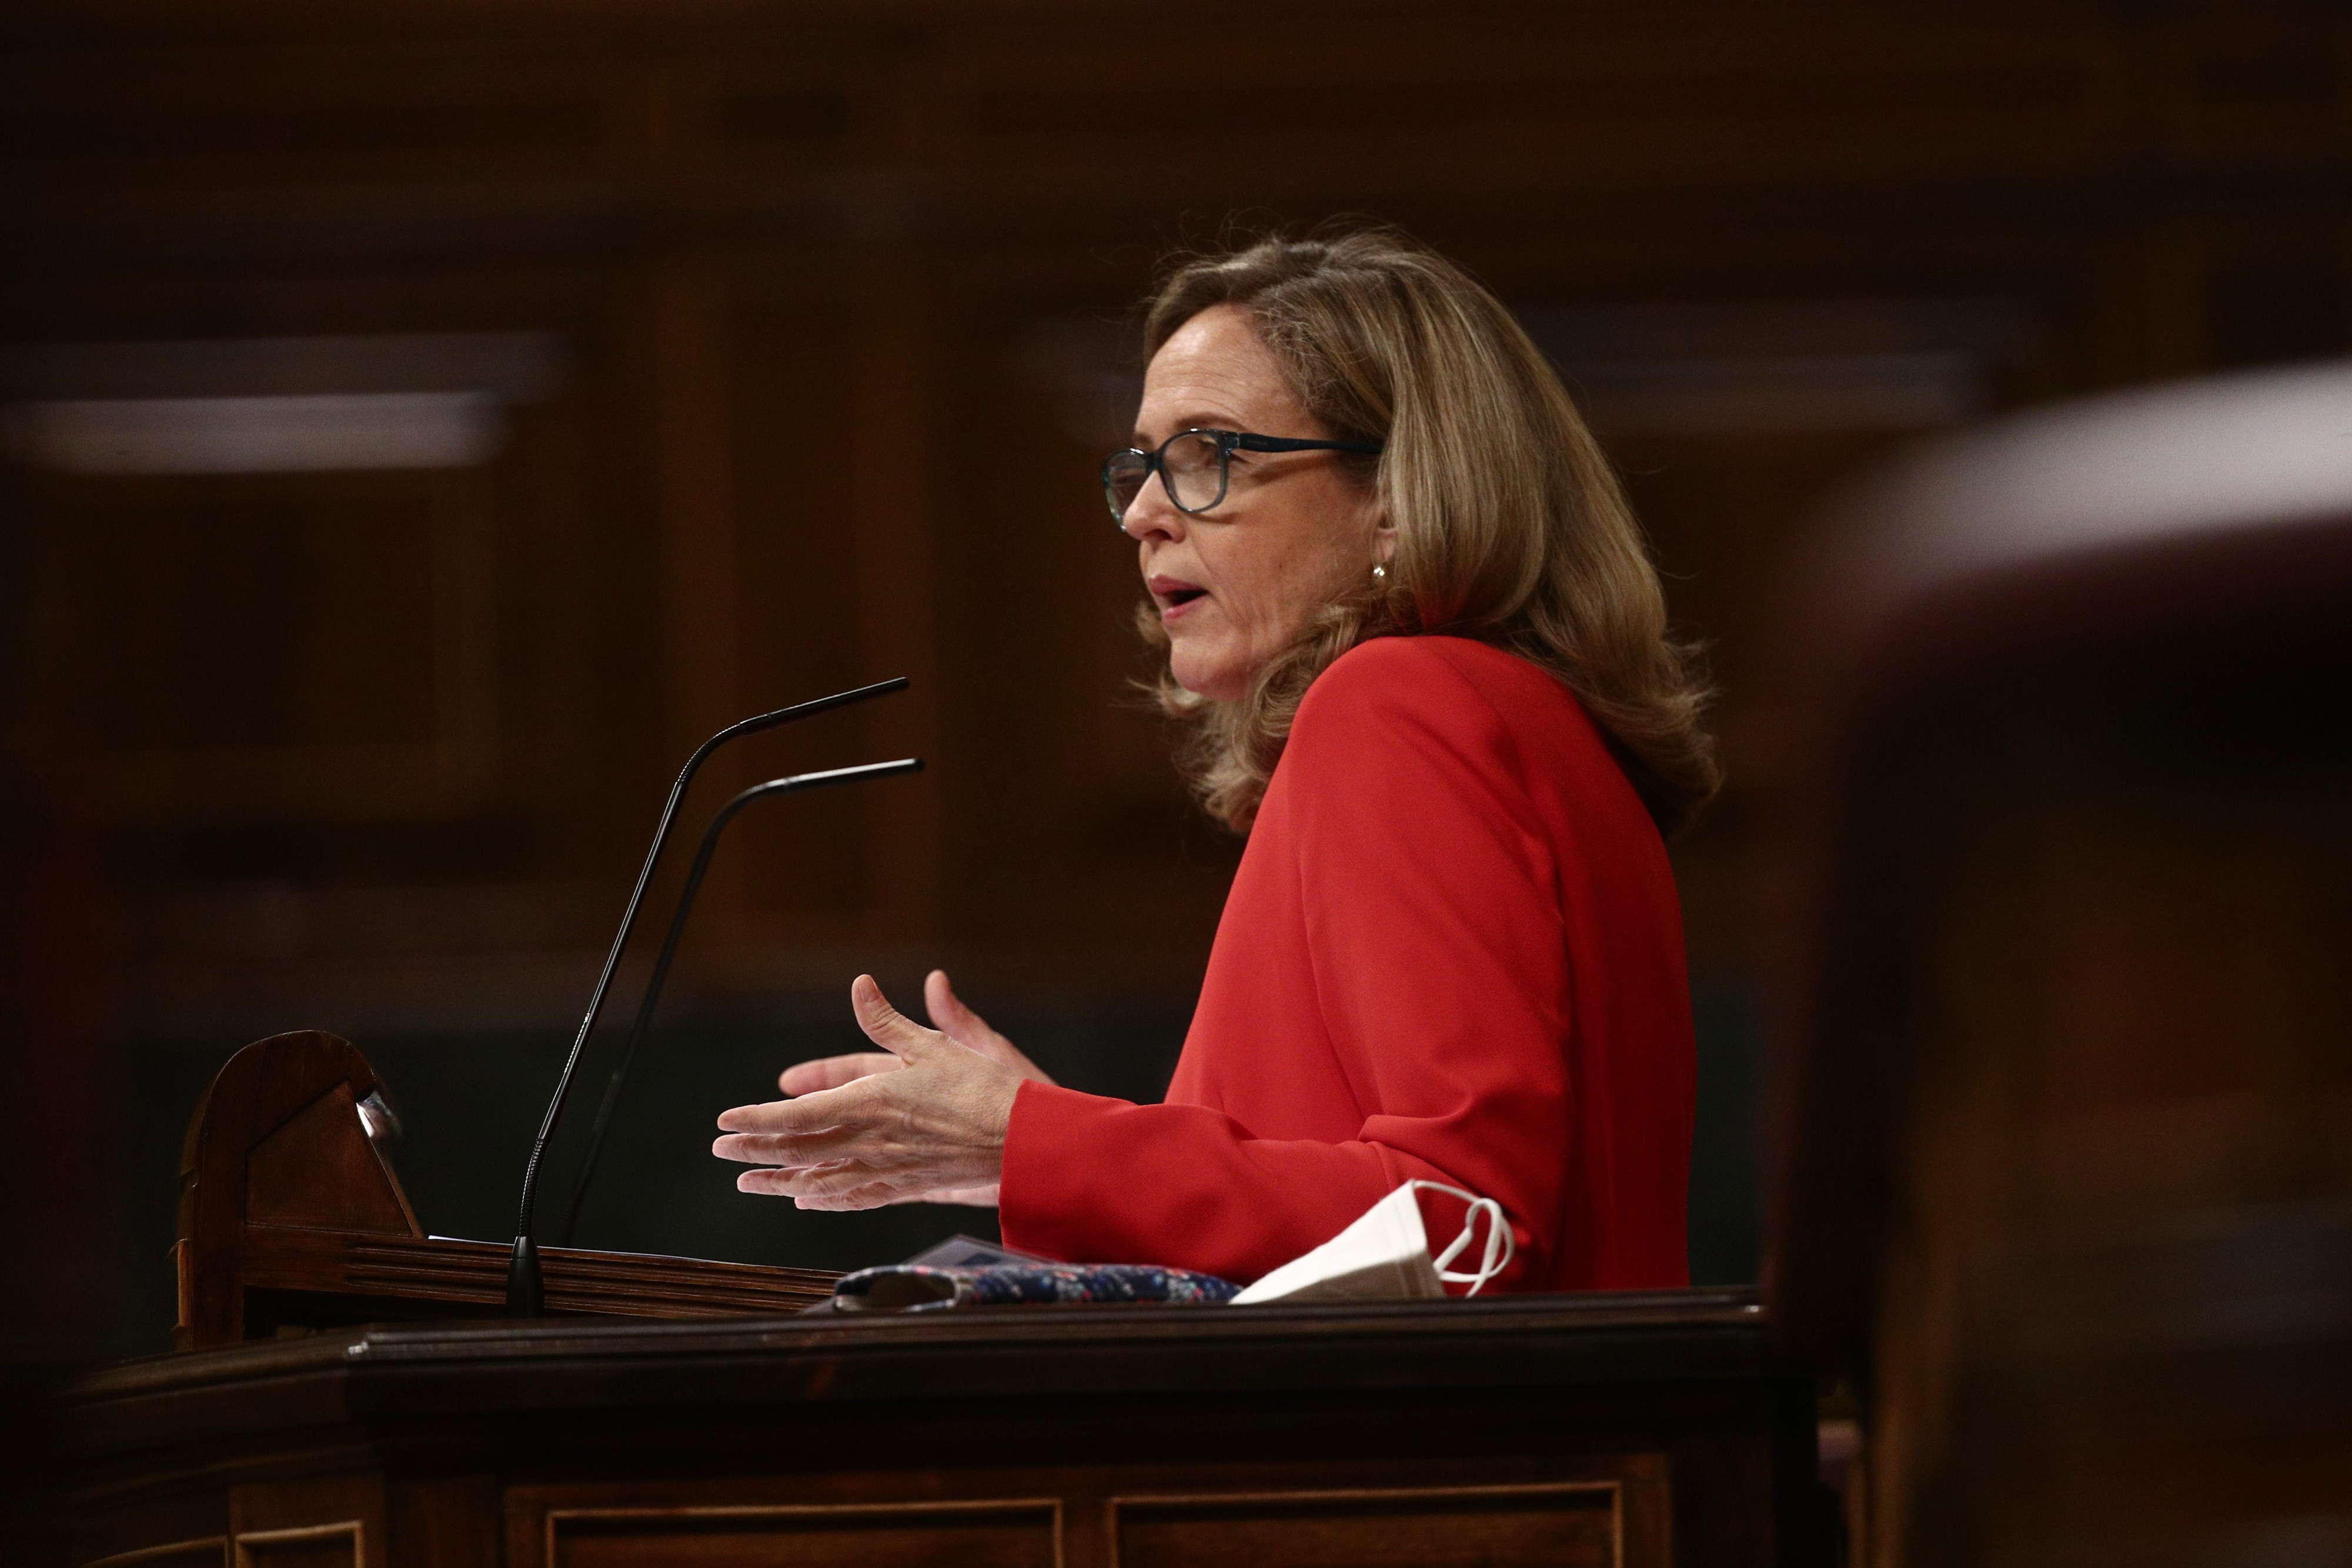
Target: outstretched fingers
[(832, 1072), (970, 1030), (768, 1149), (860, 1132), (809, 1113), (835, 1185), (886, 1026), (874, 1195), (948, 1014), (790, 1132)]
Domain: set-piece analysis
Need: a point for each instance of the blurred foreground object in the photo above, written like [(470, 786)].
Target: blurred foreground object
[(2063, 1072)]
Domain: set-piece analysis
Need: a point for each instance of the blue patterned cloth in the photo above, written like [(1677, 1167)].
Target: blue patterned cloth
[(916, 1287)]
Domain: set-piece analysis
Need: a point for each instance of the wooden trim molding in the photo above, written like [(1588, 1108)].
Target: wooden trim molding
[(1177, 1502), (299, 1534), (215, 1546), (1049, 1507)]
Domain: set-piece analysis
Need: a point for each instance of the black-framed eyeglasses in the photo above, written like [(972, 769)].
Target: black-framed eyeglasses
[(1196, 466)]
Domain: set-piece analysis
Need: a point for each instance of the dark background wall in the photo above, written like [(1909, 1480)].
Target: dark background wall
[(775, 348)]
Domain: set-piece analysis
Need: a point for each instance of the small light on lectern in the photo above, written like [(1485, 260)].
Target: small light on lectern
[(376, 1115)]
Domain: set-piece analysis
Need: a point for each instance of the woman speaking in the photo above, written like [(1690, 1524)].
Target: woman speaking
[(1422, 657)]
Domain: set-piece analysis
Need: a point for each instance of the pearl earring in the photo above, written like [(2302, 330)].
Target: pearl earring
[(1378, 570)]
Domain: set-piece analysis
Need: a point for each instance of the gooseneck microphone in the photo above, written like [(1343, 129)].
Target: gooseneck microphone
[(524, 1293), (677, 929)]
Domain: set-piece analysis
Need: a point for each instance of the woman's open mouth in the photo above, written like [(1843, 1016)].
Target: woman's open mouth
[(1175, 597)]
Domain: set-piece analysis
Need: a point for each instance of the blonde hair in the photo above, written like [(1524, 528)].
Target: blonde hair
[(1511, 527)]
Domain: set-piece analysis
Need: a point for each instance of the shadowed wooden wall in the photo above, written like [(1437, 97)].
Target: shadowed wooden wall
[(790, 337)]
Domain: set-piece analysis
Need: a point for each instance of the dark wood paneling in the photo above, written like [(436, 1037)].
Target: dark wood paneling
[(802, 269), (264, 647)]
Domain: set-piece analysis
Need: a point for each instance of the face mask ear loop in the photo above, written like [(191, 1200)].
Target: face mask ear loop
[(1469, 1225), (1499, 1240), (1454, 1249), (1501, 1246)]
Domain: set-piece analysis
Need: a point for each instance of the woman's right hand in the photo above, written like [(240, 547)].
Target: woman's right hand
[(950, 1017)]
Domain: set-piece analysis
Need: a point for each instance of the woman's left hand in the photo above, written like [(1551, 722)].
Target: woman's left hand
[(935, 1126)]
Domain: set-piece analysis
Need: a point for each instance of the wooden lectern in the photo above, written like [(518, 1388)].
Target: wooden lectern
[(290, 1218), (314, 1421)]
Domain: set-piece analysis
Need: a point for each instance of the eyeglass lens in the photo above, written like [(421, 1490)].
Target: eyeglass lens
[(1194, 467)]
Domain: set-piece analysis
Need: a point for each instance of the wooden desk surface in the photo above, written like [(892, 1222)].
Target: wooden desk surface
[(525, 1443), (1524, 1342)]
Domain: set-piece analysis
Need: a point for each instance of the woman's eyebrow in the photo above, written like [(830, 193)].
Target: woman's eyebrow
[(1194, 421)]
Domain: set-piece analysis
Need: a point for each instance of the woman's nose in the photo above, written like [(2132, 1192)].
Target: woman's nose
[(1151, 515)]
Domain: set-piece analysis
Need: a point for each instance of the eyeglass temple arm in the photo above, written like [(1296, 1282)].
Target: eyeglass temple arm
[(1288, 444)]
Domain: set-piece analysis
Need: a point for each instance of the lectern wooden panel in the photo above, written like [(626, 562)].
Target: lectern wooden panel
[(1633, 1429)]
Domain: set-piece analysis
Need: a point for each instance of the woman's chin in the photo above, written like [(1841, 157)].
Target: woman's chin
[(1216, 679)]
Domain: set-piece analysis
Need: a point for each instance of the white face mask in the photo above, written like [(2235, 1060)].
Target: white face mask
[(1386, 1254)]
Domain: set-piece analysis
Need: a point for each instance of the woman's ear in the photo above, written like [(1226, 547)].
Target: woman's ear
[(1385, 542)]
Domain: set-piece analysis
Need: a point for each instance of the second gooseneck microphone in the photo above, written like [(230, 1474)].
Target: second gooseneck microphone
[(799, 782), (525, 1289)]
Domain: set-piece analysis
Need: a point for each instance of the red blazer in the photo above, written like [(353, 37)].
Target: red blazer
[(1452, 950)]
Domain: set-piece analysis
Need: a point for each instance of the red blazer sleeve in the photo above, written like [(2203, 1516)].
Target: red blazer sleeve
[(1434, 948)]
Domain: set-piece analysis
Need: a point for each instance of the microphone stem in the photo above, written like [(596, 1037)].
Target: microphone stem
[(694, 875), (645, 1010), (523, 1285)]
